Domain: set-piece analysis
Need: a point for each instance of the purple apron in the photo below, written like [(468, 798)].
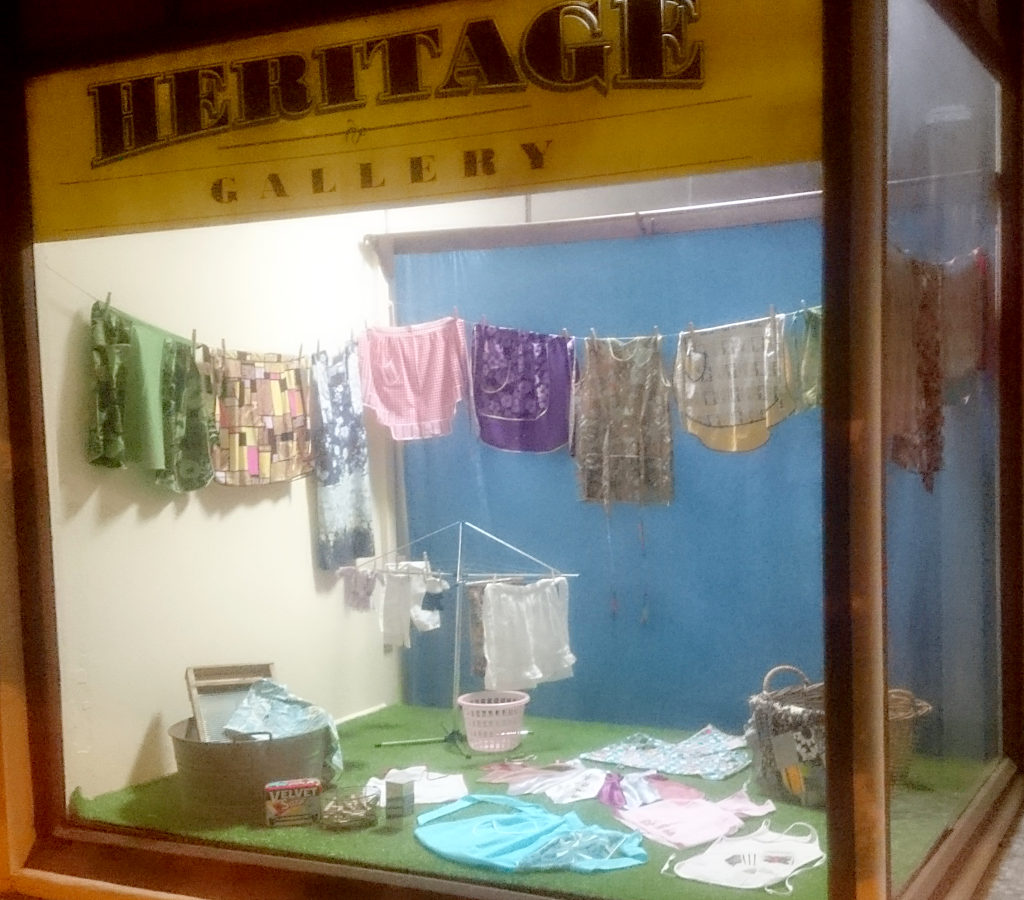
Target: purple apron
[(522, 383)]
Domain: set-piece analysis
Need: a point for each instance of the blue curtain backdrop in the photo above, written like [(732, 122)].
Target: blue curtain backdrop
[(712, 590)]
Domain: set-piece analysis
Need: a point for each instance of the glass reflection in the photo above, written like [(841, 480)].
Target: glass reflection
[(941, 426)]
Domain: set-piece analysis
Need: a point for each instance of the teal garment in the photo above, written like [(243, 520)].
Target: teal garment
[(269, 711), (526, 838)]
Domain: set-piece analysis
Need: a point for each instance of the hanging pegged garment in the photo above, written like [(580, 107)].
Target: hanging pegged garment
[(475, 602), (262, 403), (623, 431), (730, 383), (522, 388), (189, 426), (802, 334), (935, 318), (344, 520), (403, 588), (526, 633), (152, 408), (413, 376), (359, 585), (111, 333)]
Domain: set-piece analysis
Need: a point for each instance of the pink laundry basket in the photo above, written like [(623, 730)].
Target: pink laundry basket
[(493, 719)]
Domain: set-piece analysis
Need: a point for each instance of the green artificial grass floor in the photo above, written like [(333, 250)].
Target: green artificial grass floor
[(921, 810)]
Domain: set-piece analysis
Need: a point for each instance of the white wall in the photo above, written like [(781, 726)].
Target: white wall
[(149, 582)]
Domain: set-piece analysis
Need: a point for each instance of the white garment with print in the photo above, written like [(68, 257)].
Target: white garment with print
[(730, 382), (526, 633), (401, 592), (759, 860)]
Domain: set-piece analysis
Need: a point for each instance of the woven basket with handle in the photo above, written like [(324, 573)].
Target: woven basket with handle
[(787, 735)]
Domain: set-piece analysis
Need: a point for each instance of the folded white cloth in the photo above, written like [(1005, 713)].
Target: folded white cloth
[(428, 787)]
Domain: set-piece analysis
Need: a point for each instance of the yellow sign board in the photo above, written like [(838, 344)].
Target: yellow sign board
[(453, 100)]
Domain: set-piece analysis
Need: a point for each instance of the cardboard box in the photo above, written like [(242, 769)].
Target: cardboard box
[(293, 802)]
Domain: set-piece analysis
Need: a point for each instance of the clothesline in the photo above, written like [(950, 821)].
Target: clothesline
[(222, 344), (948, 263), (689, 329)]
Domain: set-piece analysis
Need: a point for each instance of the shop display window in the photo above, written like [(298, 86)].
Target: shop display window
[(517, 496), (720, 574)]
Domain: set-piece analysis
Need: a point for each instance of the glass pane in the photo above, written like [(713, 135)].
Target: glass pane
[(941, 427), (678, 606), (213, 490)]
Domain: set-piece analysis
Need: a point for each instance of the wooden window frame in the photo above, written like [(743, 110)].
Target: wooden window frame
[(43, 855)]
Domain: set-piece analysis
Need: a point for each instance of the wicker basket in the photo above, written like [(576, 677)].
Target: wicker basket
[(904, 711), (786, 734), (493, 719)]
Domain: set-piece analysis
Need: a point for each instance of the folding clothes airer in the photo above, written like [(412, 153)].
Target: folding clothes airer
[(462, 576)]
